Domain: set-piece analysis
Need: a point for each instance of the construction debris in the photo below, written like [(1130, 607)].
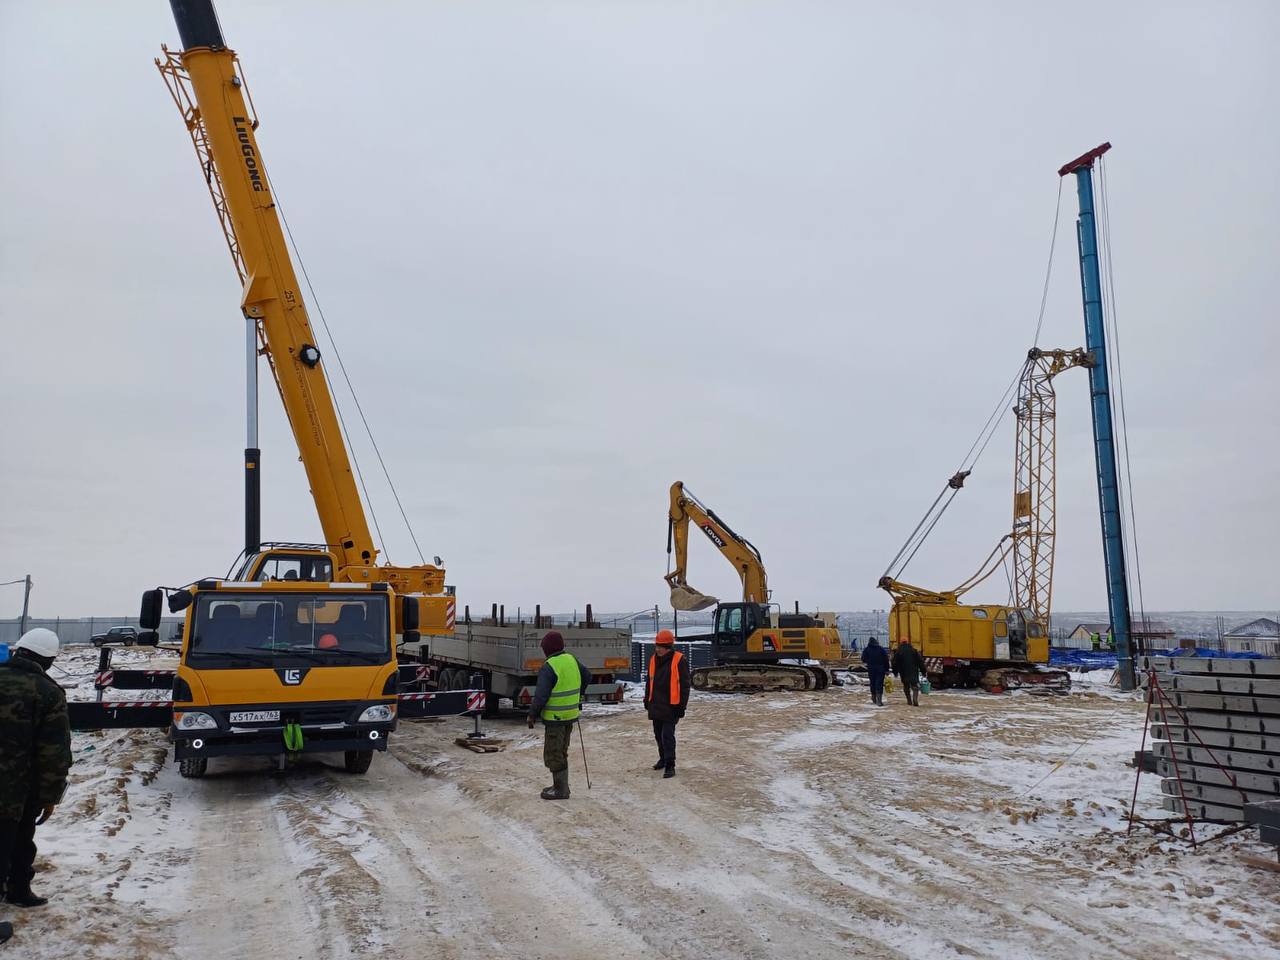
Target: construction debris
[(481, 744)]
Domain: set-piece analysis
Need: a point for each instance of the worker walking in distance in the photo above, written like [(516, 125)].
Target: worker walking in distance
[(35, 755), (908, 666), (876, 660), (557, 700), (666, 697)]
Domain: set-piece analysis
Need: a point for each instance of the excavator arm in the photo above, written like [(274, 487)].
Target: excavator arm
[(739, 551)]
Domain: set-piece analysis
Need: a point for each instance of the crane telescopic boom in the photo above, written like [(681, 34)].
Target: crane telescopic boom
[(208, 85)]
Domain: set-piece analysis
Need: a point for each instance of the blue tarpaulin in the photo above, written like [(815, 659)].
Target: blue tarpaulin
[(1098, 660)]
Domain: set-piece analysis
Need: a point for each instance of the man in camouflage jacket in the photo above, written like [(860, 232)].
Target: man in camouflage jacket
[(35, 755)]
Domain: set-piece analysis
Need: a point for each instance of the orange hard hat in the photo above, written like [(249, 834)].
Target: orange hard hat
[(327, 641), (665, 637)]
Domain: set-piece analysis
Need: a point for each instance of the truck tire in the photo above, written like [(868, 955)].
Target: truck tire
[(193, 768), (357, 761)]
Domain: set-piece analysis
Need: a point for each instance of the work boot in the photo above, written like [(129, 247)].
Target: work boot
[(25, 898), (670, 771), (6, 931), (662, 762), (559, 790)]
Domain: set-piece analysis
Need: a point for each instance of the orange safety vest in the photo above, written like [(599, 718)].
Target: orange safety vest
[(675, 677)]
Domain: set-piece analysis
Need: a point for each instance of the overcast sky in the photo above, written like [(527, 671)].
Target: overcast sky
[(788, 252)]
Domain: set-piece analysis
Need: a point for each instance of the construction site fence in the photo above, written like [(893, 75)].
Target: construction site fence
[(79, 629)]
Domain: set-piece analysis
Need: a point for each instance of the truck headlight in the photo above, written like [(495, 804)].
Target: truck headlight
[(378, 713), (194, 721)]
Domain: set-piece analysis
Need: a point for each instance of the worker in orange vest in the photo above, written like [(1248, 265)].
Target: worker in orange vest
[(666, 696)]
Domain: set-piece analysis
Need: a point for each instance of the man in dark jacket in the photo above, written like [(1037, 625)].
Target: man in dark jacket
[(666, 697), (908, 666), (877, 663), (557, 700), (35, 755)]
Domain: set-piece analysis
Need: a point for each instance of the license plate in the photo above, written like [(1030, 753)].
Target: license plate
[(255, 716)]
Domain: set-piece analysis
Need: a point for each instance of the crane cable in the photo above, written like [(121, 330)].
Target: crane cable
[(351, 387), (1113, 335), (940, 504)]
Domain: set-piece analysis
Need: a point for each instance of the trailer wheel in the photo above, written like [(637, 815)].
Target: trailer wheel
[(357, 761), (194, 768)]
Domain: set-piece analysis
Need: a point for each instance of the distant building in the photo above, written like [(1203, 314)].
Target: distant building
[(1146, 635), (1257, 636), (1083, 633)]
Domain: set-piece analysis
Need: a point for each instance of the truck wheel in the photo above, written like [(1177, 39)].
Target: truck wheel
[(357, 761), (194, 768)]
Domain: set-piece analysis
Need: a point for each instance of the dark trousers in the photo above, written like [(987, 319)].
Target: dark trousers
[(877, 684), (555, 748), (18, 849), (664, 732), (911, 688)]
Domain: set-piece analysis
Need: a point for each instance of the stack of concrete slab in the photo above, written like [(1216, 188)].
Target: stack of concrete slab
[(1217, 739)]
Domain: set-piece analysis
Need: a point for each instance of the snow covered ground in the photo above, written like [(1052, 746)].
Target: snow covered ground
[(803, 825)]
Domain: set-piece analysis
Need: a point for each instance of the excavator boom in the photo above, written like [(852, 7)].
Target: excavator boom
[(739, 551)]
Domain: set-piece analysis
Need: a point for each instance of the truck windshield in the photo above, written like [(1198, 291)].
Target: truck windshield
[(253, 629)]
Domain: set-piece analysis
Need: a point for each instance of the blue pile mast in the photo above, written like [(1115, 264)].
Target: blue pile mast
[(1103, 430)]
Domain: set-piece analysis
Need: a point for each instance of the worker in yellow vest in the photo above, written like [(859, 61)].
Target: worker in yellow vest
[(666, 696), (557, 701)]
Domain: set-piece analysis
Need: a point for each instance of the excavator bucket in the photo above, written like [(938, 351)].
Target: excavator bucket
[(686, 598)]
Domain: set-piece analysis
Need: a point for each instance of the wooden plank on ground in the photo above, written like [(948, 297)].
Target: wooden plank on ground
[(1262, 863), (485, 745)]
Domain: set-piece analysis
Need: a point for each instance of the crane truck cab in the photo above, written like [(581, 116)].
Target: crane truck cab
[(316, 563), (283, 668)]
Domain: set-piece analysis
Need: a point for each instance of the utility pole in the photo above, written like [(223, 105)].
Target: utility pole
[(26, 603)]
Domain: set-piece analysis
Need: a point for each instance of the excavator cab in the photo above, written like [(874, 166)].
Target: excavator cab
[(736, 623)]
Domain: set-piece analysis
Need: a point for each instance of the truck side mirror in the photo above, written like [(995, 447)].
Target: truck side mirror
[(148, 638), (179, 600), (149, 615), (411, 636), (409, 615)]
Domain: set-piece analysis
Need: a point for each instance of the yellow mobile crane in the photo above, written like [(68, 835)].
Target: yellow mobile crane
[(998, 645), (297, 652), (750, 640)]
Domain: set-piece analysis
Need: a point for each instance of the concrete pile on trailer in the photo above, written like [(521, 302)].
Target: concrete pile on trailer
[(1226, 726)]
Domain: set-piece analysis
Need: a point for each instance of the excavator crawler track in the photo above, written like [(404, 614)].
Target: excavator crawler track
[(758, 678)]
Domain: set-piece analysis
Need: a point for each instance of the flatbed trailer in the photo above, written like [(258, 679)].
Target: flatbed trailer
[(504, 659)]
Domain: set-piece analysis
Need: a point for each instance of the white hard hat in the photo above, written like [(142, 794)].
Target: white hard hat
[(40, 641)]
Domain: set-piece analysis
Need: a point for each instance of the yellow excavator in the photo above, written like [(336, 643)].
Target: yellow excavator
[(751, 638)]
